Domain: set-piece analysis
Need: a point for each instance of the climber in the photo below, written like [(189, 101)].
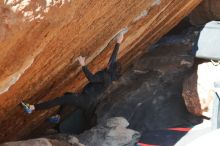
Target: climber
[(88, 98)]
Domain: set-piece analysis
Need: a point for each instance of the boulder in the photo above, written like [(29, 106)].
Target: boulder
[(190, 94), (70, 139), (117, 122), (207, 11), (41, 39), (149, 93), (113, 132)]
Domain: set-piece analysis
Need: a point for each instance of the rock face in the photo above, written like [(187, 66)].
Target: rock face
[(198, 89), (40, 40), (190, 94), (207, 11), (37, 142), (114, 132)]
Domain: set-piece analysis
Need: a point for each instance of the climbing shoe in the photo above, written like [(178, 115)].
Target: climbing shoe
[(27, 107), (54, 119)]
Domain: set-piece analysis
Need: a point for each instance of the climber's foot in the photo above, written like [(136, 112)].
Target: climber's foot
[(55, 119)]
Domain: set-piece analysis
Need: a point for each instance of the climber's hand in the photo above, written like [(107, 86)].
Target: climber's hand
[(27, 107), (81, 60), (120, 37)]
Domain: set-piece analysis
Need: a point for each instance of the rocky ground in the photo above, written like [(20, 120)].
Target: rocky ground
[(41, 39)]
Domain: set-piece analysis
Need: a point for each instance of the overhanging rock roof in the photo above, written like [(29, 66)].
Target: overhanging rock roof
[(39, 41)]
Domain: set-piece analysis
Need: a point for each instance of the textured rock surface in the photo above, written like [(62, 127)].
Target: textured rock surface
[(39, 41), (149, 94), (37, 142), (198, 89), (70, 139), (108, 134), (190, 94), (207, 11)]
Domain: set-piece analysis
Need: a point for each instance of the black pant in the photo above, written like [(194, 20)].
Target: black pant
[(77, 100), (86, 104)]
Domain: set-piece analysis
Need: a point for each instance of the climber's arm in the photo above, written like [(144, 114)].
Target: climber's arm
[(112, 60), (90, 76)]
